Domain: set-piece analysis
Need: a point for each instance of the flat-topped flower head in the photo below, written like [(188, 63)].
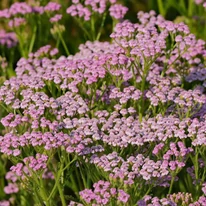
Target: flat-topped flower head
[(80, 11), (56, 18), (118, 11), (103, 193), (21, 8), (52, 6), (8, 39)]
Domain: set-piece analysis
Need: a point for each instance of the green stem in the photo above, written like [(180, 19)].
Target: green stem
[(83, 178), (56, 183), (74, 184), (203, 175), (21, 45), (40, 185), (171, 184), (39, 33), (101, 26), (69, 163), (196, 164), (78, 178), (204, 30), (190, 7), (57, 43), (183, 7), (63, 43), (4, 107), (61, 193), (114, 22), (58, 177), (141, 111), (161, 7), (9, 71), (43, 192), (53, 190), (82, 27), (149, 189), (37, 196), (32, 39), (93, 28)]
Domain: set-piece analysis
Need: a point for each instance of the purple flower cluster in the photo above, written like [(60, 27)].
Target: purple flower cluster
[(4, 203), (176, 157), (80, 11), (185, 102), (8, 39), (3, 63), (191, 172), (23, 9), (11, 188), (38, 163), (88, 106), (128, 93), (134, 169), (148, 40), (52, 6), (55, 18), (19, 8), (181, 198), (118, 11), (149, 201), (172, 200), (201, 2), (85, 10), (16, 22), (103, 194), (97, 6)]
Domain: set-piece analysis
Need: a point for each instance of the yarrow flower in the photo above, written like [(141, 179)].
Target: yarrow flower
[(4, 203), (8, 39), (52, 6), (16, 22), (80, 11), (86, 9), (103, 193), (11, 188), (31, 164), (97, 5), (131, 111), (201, 2), (118, 11), (19, 8), (56, 18)]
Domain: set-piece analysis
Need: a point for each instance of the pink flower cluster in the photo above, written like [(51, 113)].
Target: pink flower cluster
[(8, 39), (89, 105), (23, 8), (31, 164), (103, 193), (85, 10), (201, 2)]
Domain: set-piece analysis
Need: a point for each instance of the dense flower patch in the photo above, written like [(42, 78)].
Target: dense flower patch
[(118, 123)]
